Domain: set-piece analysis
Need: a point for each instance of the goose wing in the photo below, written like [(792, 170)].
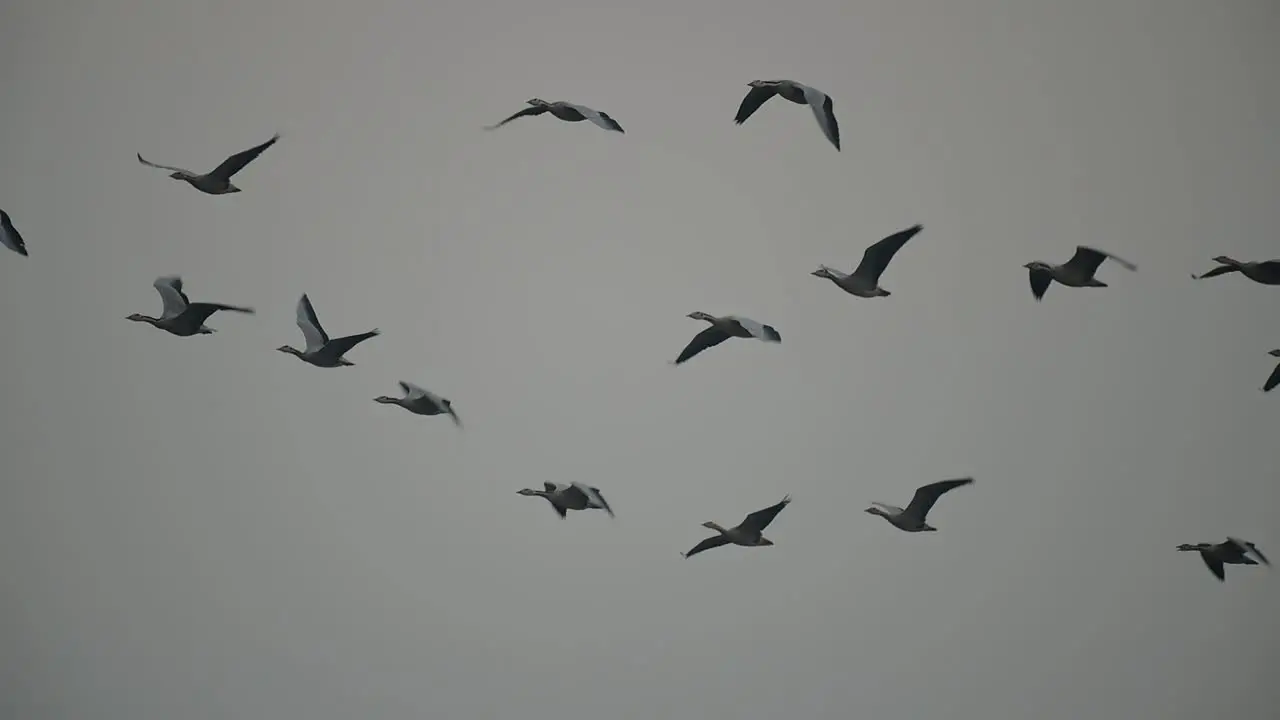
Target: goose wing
[(876, 258), (756, 97), (148, 163), (1272, 381), (529, 111), (599, 118), (310, 326), (821, 105), (1247, 547), (1087, 259), (340, 346), (236, 163), (202, 310), (412, 391), (1040, 281), (759, 520), (760, 331), (1220, 270), (1214, 564), (714, 541), (927, 495), (9, 235), (594, 498), (708, 338), (170, 289)]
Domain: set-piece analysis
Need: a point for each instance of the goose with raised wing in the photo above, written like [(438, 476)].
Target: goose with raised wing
[(748, 533), (865, 280), (10, 236), (564, 111), (723, 328), (912, 517), (218, 180), (574, 496), (420, 401), (798, 93), (321, 350), (1266, 272), (180, 316), (1232, 551), (1076, 272)]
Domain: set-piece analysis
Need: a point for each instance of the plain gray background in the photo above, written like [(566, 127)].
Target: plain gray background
[(203, 528)]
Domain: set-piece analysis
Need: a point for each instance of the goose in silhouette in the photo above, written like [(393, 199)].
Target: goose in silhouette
[(218, 181), (1076, 272), (180, 316), (865, 280), (762, 90), (565, 111), (10, 236), (574, 496), (723, 328), (421, 402), (1266, 272), (322, 351), (1232, 551), (747, 534), (912, 518)]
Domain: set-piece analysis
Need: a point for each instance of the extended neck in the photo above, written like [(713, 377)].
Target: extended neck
[(716, 527)]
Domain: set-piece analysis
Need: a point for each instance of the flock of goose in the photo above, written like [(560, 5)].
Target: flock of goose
[(184, 318)]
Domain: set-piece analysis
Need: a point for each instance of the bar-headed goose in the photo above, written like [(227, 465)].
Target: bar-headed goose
[(10, 236), (565, 111), (912, 518), (574, 496), (1076, 272), (217, 181), (723, 328), (1232, 551), (322, 351), (181, 316), (762, 90), (1266, 272), (865, 280), (421, 402), (747, 533)]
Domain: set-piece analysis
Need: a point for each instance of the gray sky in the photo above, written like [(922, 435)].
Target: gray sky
[(203, 528)]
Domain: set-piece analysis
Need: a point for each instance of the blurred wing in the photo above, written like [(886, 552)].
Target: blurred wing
[(752, 102), (170, 289), (823, 111), (709, 337), (714, 541), (144, 161), (876, 257), (1272, 381), (411, 390), (927, 495), (531, 110), (1087, 259), (1214, 565), (236, 163), (309, 324), (594, 498), (760, 519), (1040, 281)]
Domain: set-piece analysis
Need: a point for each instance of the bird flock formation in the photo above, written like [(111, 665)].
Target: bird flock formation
[(184, 318)]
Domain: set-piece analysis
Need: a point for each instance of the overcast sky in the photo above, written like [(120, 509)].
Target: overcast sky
[(206, 529)]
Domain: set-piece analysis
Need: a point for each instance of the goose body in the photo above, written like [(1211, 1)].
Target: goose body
[(798, 93), (9, 235), (321, 350), (1076, 272), (1232, 551), (180, 316), (1265, 272), (218, 180), (564, 111), (748, 533), (723, 328), (864, 281), (912, 517), (421, 402), (574, 496)]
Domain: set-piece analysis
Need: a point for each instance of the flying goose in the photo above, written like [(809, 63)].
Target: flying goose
[(1266, 272), (217, 182), (748, 533), (565, 111), (10, 236), (421, 402), (1076, 272), (574, 496), (762, 90), (865, 280), (1274, 379), (1232, 551), (912, 519), (723, 328), (322, 351), (180, 316)]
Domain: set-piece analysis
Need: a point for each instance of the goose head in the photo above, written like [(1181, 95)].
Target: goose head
[(873, 510), (531, 492), (1274, 353), (1038, 265), (823, 272), (387, 400), (538, 102), (715, 526), (139, 317), (1192, 547), (758, 83), (699, 315), (291, 350)]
